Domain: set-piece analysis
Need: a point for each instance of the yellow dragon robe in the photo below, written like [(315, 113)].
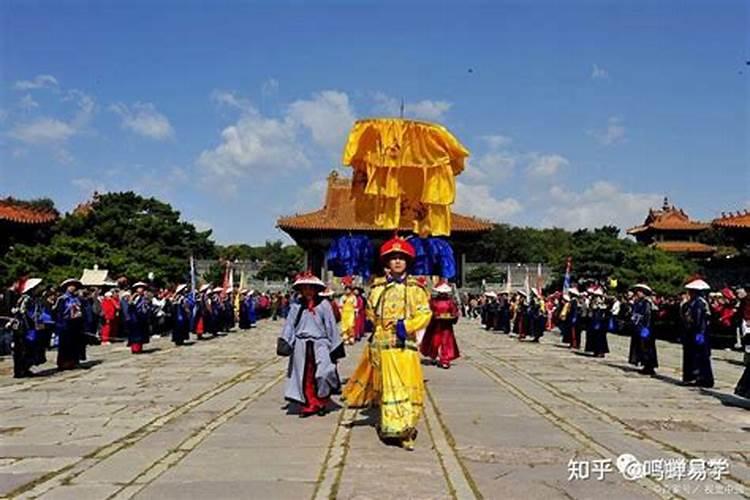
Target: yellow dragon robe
[(389, 373)]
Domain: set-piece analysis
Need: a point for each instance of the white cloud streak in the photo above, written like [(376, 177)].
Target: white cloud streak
[(600, 204), (542, 166), (615, 132), (43, 131), (425, 109), (478, 200), (328, 116), (598, 73), (39, 82), (143, 119), (253, 145), (260, 144), (28, 103)]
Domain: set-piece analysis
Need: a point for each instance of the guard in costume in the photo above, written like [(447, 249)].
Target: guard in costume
[(311, 338), (439, 342)]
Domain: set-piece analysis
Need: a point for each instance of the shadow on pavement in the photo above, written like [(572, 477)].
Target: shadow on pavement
[(370, 418), (728, 400)]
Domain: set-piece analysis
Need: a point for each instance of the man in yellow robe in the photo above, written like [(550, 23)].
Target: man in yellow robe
[(389, 374), (348, 315)]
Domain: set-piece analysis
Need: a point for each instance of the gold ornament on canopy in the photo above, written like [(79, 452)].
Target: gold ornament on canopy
[(404, 168)]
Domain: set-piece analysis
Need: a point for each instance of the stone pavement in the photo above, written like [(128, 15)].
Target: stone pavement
[(506, 421)]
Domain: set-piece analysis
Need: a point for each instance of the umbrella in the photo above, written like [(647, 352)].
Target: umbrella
[(404, 168)]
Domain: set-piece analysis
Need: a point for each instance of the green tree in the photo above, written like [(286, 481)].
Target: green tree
[(126, 233), (487, 272), (215, 274), (281, 262)]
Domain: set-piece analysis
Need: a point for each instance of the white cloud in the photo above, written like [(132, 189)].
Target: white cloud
[(478, 200), (545, 165), (39, 82), (497, 141), (425, 109), (495, 164), (598, 73), (43, 131), (270, 87), (259, 144), (48, 130), (253, 145), (232, 100), (328, 116), (27, 102), (309, 197), (613, 134), (429, 110), (86, 108), (600, 204), (144, 119)]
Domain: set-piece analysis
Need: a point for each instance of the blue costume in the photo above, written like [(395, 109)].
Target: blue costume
[(138, 316), (247, 312), (596, 334), (696, 349), (643, 343), (25, 336), (181, 316), (72, 346)]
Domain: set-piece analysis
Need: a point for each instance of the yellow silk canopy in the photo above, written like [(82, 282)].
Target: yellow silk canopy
[(404, 168)]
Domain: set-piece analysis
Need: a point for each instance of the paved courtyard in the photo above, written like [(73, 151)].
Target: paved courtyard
[(510, 420)]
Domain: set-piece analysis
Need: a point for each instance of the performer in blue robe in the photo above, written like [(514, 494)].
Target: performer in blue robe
[(139, 315), (596, 333), (311, 337), (696, 348), (181, 313), (644, 352), (71, 344), (27, 314), (252, 315)]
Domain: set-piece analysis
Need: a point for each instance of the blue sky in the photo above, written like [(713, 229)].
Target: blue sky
[(577, 114)]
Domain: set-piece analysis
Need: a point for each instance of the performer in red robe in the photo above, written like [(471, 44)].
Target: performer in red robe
[(110, 311), (439, 342)]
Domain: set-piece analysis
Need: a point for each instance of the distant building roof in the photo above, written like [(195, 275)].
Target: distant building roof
[(691, 247), (669, 218), (23, 213), (738, 220), (338, 213)]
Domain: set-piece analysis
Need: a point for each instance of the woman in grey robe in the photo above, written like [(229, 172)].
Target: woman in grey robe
[(312, 339)]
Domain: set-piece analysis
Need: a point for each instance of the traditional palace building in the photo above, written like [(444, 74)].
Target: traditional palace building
[(314, 231), (736, 225), (670, 229)]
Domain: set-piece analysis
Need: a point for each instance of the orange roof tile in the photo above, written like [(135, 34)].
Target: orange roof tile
[(20, 213), (339, 214), (684, 247), (669, 218), (737, 220)]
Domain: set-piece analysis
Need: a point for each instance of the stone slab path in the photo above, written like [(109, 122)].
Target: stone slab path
[(510, 419)]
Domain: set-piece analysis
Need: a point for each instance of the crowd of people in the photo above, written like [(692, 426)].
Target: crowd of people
[(697, 318), (71, 317), (401, 319)]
